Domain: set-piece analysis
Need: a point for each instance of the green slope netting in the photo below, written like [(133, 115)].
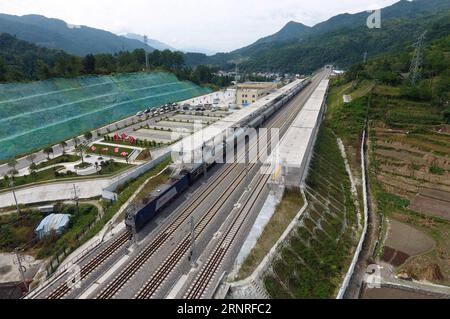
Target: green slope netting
[(36, 114)]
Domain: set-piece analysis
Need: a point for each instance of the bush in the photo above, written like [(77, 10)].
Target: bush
[(436, 170)]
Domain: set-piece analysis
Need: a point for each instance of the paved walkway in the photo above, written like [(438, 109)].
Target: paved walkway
[(56, 192)]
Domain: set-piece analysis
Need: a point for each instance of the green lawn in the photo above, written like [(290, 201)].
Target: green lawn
[(51, 174), (67, 158), (42, 176)]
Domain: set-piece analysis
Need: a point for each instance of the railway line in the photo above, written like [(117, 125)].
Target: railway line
[(91, 266), (152, 286), (163, 236), (201, 282)]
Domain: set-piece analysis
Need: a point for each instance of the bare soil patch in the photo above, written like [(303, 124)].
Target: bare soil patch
[(431, 206), (407, 239), (392, 293)]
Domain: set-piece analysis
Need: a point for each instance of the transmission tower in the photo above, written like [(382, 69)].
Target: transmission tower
[(237, 82), (416, 63), (146, 53)]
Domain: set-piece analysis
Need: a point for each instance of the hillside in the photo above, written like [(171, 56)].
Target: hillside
[(158, 45), (341, 40), (57, 34), (409, 151)]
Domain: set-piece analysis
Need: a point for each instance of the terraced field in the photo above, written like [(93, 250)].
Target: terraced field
[(409, 170)]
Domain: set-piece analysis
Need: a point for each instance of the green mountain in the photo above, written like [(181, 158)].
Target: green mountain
[(158, 45), (341, 40), (20, 59), (57, 34)]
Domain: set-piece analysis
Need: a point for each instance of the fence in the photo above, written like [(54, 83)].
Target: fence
[(351, 270), (109, 192), (64, 252)]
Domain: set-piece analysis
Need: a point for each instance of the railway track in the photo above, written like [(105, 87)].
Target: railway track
[(209, 270), (153, 284), (200, 285), (119, 281), (64, 289)]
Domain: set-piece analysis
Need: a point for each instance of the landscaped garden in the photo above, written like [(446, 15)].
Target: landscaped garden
[(108, 150), (66, 158), (56, 173)]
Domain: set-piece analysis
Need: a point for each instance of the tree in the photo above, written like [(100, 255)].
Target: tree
[(63, 145), (88, 136), (31, 158), (76, 141), (33, 172), (3, 71), (43, 71), (81, 149), (13, 163), (48, 151), (89, 64)]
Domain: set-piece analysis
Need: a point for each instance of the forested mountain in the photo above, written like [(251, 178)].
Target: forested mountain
[(341, 40), (23, 61), (57, 34)]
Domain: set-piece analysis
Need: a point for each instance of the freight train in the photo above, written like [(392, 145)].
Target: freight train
[(152, 205)]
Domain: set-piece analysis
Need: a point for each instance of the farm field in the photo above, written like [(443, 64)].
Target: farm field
[(410, 174)]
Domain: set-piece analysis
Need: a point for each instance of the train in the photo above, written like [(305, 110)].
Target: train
[(143, 212), (149, 207)]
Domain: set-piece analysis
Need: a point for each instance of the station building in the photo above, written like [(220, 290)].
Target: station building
[(250, 92)]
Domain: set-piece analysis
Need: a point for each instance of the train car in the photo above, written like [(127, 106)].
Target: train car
[(152, 205), (156, 201)]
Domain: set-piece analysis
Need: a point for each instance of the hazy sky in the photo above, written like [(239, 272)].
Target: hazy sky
[(215, 25)]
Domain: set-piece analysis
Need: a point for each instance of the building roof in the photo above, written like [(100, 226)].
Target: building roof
[(214, 132), (53, 222), (256, 85), (293, 147)]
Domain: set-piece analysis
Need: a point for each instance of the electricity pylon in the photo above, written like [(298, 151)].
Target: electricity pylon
[(146, 53), (416, 63)]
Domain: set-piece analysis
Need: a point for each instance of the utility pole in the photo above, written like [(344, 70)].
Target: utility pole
[(205, 170), (191, 255), (416, 63), (132, 223), (22, 269), (146, 53), (14, 193), (237, 85), (76, 198)]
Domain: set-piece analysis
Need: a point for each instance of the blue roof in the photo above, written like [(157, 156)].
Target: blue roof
[(53, 222)]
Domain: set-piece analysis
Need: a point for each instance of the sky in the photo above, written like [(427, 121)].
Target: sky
[(209, 25)]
